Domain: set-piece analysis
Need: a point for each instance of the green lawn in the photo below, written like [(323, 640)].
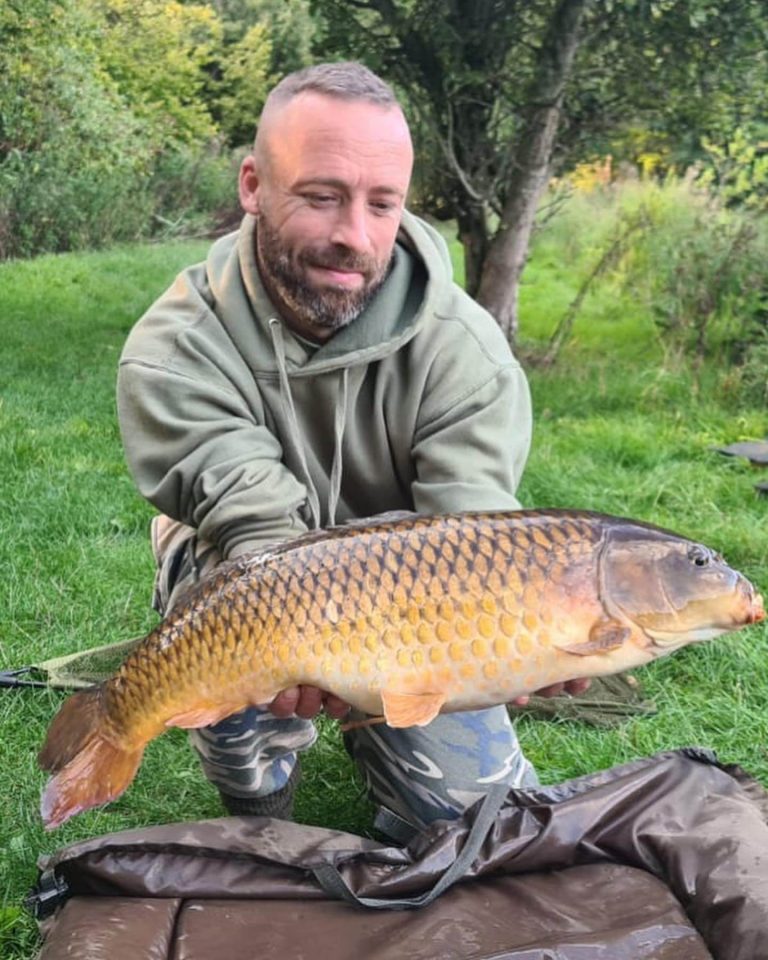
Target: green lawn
[(617, 430)]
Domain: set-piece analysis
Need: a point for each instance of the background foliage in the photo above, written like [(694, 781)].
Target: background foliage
[(118, 119)]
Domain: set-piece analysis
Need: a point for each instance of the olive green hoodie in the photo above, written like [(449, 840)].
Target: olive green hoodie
[(250, 434)]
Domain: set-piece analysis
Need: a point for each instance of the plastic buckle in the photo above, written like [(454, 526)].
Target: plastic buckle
[(11, 678), (47, 895)]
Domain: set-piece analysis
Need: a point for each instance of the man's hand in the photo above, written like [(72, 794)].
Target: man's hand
[(307, 702), (572, 687)]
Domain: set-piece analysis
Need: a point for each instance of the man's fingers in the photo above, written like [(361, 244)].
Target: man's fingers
[(310, 702), (306, 702), (335, 707), (553, 690), (284, 704), (573, 687)]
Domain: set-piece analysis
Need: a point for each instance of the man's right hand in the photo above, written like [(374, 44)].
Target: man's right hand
[(307, 702)]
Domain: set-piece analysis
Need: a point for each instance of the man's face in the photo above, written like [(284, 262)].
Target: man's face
[(327, 184)]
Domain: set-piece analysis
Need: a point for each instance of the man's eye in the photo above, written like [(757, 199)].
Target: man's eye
[(321, 199), (382, 206)]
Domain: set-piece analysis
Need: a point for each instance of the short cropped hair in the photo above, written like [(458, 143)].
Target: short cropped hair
[(346, 80)]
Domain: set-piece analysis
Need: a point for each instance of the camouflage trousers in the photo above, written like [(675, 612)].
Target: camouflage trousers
[(415, 775)]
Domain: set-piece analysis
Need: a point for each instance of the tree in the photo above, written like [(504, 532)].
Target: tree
[(246, 81), (99, 101), (155, 53), (504, 91), (505, 260), (72, 155), (485, 81)]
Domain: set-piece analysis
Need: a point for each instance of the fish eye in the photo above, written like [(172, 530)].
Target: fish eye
[(699, 557)]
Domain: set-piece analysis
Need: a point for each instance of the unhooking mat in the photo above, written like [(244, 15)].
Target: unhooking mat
[(664, 858)]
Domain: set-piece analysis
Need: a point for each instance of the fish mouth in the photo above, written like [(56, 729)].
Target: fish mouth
[(747, 610)]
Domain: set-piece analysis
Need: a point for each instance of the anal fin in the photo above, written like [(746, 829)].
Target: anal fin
[(411, 709), (204, 715)]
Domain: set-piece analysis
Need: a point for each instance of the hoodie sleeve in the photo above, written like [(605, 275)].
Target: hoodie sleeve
[(474, 429), (196, 444)]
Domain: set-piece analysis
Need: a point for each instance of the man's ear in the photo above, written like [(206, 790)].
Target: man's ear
[(248, 185)]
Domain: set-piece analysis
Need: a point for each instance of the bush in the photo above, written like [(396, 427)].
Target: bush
[(738, 169), (80, 165), (700, 268), (193, 190), (79, 181), (639, 254)]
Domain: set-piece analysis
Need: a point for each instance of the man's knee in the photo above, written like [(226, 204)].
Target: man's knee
[(252, 753), (181, 560), (435, 772)]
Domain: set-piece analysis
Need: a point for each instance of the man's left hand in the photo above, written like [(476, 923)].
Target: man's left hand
[(306, 702)]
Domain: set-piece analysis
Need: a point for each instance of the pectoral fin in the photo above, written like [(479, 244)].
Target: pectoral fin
[(604, 636), (411, 709)]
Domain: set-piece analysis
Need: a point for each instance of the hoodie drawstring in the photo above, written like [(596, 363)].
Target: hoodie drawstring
[(339, 422), (286, 399), (339, 425)]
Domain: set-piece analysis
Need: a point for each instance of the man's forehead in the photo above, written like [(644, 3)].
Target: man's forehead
[(324, 129)]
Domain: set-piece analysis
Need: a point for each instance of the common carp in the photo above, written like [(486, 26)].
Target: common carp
[(402, 616)]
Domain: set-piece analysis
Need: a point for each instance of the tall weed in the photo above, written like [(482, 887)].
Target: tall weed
[(695, 267), (700, 269)]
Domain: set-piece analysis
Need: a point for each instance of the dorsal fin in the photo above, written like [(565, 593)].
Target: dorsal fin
[(328, 533)]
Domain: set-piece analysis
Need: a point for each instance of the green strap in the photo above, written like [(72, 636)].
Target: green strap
[(329, 878), (86, 667)]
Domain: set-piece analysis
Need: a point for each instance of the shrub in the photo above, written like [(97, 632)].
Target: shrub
[(192, 190), (80, 165), (738, 169), (79, 181), (700, 268)]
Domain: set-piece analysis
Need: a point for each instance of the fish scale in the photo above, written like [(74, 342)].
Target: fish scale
[(403, 618)]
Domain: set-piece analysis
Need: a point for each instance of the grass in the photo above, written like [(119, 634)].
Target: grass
[(618, 429)]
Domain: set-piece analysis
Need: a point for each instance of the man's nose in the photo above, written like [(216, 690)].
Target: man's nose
[(351, 228)]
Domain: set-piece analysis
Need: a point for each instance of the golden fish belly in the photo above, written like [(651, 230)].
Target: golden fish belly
[(483, 657)]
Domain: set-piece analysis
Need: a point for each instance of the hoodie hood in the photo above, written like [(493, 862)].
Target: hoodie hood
[(419, 277)]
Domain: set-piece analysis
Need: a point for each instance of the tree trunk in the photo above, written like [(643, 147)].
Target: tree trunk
[(508, 250), (473, 234)]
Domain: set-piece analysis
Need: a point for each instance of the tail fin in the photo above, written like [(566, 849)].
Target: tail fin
[(88, 768)]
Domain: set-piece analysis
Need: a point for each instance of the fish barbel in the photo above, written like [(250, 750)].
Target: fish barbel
[(403, 616)]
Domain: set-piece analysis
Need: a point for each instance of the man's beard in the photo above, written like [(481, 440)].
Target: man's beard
[(328, 307)]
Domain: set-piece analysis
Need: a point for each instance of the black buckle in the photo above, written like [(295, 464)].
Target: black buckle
[(47, 895), (11, 678)]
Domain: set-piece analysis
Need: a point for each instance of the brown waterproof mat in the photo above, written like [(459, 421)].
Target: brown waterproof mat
[(581, 913), (665, 857)]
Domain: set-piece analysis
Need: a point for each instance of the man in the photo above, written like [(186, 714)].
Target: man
[(320, 366)]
